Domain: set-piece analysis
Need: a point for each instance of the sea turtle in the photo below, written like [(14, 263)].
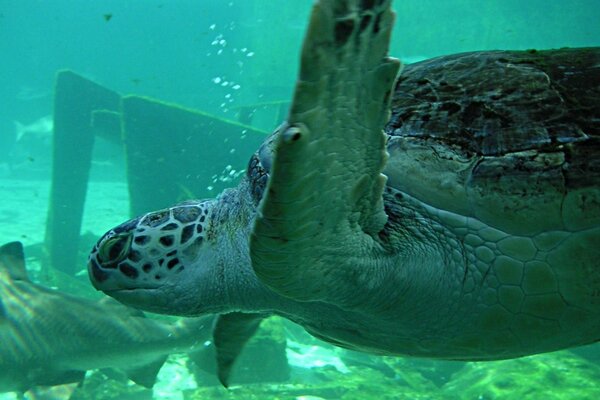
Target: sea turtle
[(468, 230)]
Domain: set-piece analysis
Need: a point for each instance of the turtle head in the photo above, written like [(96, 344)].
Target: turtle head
[(157, 262)]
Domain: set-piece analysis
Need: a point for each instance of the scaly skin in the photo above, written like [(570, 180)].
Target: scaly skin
[(445, 300)]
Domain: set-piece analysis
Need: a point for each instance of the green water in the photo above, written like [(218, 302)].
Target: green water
[(220, 56)]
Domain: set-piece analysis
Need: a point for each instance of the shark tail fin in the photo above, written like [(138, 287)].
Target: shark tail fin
[(20, 128), (12, 260)]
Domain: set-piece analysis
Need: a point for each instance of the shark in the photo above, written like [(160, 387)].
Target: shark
[(40, 128), (50, 338)]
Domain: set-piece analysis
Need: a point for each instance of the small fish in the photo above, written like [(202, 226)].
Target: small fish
[(50, 338), (40, 128), (107, 17), (27, 93)]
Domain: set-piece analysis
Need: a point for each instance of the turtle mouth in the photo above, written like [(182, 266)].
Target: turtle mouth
[(111, 280), (143, 298)]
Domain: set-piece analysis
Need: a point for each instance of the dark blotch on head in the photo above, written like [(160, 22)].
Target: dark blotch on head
[(128, 270), (167, 241), (156, 218), (169, 227), (199, 228), (171, 253), (172, 263), (343, 30), (187, 233), (142, 240), (186, 214), (134, 255), (147, 267)]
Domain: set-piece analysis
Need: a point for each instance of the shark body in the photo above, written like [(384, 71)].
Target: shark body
[(41, 128), (52, 338)]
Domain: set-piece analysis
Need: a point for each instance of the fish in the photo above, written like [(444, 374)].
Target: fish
[(40, 128), (29, 93), (50, 338)]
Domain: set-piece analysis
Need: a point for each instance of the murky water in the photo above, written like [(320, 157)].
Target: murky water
[(236, 62)]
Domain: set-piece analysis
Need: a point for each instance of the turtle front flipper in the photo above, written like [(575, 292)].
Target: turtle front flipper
[(231, 333), (323, 201)]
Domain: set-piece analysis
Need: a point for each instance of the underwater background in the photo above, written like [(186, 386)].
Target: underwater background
[(233, 62)]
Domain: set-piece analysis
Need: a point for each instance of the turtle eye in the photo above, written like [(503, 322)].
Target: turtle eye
[(114, 249)]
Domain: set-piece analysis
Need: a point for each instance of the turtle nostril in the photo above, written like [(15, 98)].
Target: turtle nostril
[(114, 250)]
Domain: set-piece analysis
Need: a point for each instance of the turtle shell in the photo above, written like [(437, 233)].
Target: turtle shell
[(511, 138)]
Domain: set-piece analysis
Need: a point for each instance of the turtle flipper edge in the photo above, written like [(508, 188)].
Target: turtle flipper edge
[(324, 196)]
